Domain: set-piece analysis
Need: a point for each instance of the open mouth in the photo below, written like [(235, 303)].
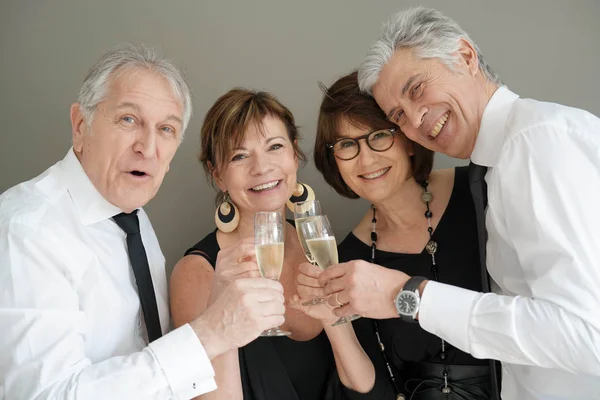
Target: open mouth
[(138, 173), (265, 186), (376, 174), (440, 124)]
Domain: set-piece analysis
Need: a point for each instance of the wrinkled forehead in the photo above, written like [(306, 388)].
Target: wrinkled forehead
[(405, 66), (146, 89), (400, 66)]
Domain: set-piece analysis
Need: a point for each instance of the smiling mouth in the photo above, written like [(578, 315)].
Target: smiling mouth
[(440, 124), (265, 186), (376, 174)]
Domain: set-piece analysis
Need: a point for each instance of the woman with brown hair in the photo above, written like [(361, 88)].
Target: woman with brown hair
[(421, 222), (249, 149)]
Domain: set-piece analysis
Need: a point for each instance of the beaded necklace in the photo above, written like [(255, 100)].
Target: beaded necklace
[(431, 248)]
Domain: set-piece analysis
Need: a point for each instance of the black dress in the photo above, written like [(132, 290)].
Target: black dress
[(278, 368), (413, 353)]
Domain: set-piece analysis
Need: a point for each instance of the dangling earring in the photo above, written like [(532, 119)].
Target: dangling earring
[(303, 192), (227, 216)]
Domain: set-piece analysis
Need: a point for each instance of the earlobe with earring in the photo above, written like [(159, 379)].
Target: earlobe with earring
[(227, 216), (303, 192)]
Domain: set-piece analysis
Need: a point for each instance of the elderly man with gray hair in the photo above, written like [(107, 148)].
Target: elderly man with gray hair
[(535, 180), (83, 290)]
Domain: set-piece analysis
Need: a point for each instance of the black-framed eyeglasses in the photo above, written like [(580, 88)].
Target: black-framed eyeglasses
[(378, 140)]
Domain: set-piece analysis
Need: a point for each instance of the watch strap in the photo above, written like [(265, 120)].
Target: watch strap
[(413, 284)]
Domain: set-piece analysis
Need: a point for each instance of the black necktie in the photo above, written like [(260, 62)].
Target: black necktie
[(137, 255), (480, 199), (479, 193)]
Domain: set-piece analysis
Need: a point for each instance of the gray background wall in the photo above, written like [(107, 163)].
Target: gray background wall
[(545, 49)]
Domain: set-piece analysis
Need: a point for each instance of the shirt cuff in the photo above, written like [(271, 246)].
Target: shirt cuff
[(184, 363), (445, 311)]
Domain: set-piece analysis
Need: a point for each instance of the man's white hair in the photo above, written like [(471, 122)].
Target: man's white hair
[(136, 57), (429, 33)]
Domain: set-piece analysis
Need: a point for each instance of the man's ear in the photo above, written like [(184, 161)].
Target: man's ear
[(469, 57), (79, 127)]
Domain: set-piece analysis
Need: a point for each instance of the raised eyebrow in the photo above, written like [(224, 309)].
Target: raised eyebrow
[(129, 104), (174, 118)]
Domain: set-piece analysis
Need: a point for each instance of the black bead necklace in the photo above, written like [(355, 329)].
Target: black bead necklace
[(431, 248)]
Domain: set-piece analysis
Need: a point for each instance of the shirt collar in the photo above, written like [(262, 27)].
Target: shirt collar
[(493, 123), (91, 206)]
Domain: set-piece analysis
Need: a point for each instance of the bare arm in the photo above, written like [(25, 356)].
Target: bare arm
[(356, 370), (190, 288)]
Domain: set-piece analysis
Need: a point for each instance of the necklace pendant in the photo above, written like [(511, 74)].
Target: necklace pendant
[(426, 197), (446, 390), (401, 397), (431, 247)]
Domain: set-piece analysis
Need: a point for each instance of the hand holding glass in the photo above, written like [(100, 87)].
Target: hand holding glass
[(268, 239), (320, 240)]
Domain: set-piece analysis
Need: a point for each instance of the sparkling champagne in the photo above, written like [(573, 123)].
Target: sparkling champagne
[(270, 260), (299, 222), (324, 250)]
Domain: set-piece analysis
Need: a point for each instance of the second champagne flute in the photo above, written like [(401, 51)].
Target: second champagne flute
[(304, 211), (320, 240), (268, 240)]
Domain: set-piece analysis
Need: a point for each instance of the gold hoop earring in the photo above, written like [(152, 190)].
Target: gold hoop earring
[(303, 192), (227, 216)]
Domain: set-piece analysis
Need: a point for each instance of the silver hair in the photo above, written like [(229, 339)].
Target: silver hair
[(429, 33), (126, 55)]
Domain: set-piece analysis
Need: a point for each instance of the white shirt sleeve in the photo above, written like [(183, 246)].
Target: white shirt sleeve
[(546, 212), (42, 336)]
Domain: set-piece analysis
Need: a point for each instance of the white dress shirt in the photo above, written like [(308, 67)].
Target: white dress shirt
[(543, 253), (71, 325)]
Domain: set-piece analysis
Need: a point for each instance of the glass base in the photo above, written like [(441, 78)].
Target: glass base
[(344, 320), (314, 302), (275, 332)]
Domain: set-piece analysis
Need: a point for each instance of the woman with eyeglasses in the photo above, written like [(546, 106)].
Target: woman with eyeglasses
[(421, 222)]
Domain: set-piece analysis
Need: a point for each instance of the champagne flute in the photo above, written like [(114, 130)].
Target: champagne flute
[(303, 211), (268, 239), (320, 240)]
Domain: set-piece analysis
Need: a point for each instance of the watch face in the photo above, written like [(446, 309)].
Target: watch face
[(407, 303)]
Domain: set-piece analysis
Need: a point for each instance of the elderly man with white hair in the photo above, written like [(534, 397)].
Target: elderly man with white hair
[(535, 180), (83, 290)]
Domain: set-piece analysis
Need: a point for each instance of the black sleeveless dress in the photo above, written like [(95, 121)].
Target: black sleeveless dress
[(279, 368), (413, 353)]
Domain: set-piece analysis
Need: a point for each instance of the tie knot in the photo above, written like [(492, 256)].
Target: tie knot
[(476, 172), (128, 222)]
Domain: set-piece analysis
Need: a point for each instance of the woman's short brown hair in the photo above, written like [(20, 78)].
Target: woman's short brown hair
[(344, 101), (227, 121)]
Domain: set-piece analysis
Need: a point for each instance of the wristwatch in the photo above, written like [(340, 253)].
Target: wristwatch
[(407, 302)]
